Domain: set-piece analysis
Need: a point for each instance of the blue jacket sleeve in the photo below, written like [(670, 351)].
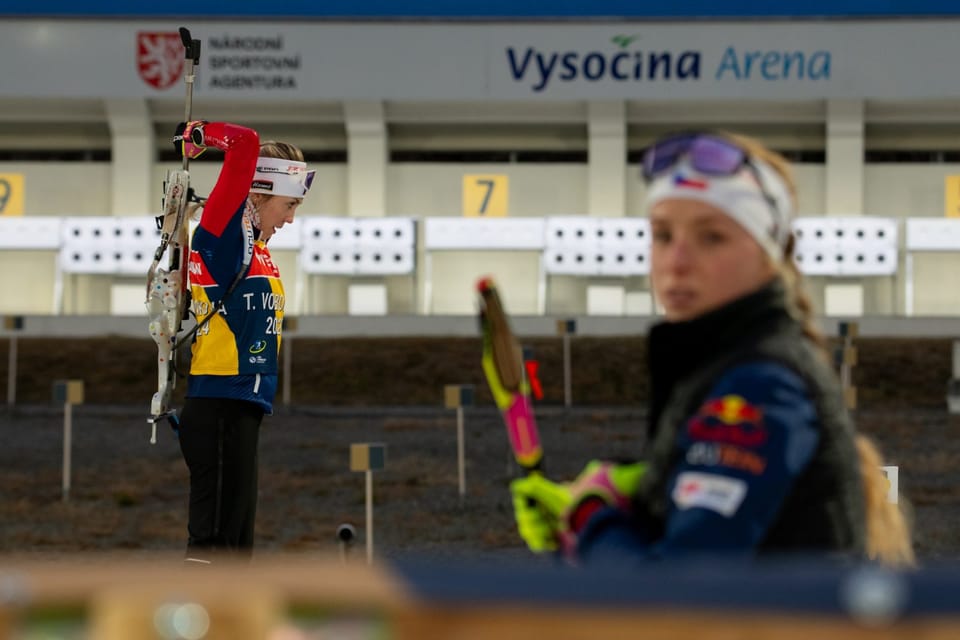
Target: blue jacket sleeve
[(738, 457)]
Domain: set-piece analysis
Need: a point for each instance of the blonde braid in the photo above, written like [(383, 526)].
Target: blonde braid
[(888, 530)]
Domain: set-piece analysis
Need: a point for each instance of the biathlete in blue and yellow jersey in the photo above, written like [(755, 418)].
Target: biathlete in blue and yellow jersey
[(238, 301)]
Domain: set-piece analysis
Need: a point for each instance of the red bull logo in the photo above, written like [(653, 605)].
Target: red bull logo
[(729, 419)]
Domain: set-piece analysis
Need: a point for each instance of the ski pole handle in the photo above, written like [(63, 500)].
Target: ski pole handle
[(191, 49)]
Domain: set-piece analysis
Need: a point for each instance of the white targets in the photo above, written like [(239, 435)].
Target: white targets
[(854, 246), (624, 246), (571, 245), (857, 246), (108, 245), (385, 246), (581, 245), (357, 246)]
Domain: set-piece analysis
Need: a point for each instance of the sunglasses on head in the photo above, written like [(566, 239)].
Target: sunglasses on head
[(708, 153)]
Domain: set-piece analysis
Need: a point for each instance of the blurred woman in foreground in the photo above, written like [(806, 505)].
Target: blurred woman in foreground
[(750, 449)]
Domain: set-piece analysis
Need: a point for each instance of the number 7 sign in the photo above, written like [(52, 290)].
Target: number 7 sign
[(485, 195)]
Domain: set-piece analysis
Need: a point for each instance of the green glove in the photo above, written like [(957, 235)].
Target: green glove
[(538, 505), (599, 485)]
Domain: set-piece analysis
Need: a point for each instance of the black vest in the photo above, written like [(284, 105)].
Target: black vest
[(825, 510)]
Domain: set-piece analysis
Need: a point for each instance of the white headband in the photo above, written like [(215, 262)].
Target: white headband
[(277, 177), (739, 196)]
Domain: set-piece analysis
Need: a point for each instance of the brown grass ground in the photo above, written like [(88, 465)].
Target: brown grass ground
[(129, 495)]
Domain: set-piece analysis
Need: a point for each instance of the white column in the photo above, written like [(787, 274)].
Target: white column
[(844, 194), (131, 132), (606, 183), (844, 158), (607, 148), (367, 159)]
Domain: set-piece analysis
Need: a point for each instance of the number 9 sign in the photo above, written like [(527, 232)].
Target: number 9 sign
[(11, 194)]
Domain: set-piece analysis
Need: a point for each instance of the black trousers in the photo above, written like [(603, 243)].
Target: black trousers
[(218, 439)]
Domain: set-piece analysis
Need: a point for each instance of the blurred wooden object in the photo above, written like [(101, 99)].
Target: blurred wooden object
[(207, 612), (320, 597), (560, 623)]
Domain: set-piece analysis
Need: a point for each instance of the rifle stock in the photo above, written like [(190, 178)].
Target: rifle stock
[(167, 288)]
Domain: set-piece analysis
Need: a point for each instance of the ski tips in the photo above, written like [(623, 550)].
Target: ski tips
[(504, 369), (489, 298), (485, 284)]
